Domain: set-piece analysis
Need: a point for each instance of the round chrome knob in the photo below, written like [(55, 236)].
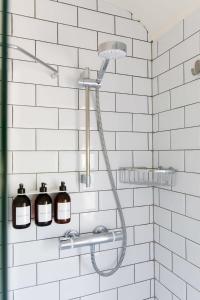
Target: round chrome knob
[(100, 229), (72, 234)]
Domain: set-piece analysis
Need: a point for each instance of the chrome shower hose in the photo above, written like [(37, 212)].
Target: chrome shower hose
[(116, 197)]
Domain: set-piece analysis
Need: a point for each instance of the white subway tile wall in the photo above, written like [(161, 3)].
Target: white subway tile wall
[(47, 142), (176, 141)]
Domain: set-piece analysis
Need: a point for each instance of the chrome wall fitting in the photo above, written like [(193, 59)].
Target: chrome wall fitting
[(86, 82), (20, 49), (86, 178), (100, 235), (100, 229), (196, 70), (71, 234)]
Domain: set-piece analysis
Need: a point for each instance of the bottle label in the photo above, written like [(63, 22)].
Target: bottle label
[(64, 211), (23, 215), (45, 213)]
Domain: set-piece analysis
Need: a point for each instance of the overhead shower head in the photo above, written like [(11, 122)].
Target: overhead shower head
[(107, 51), (112, 50)]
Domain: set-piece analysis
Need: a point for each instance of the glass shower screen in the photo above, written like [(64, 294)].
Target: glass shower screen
[(3, 150)]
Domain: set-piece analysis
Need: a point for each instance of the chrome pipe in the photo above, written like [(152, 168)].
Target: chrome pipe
[(18, 48), (87, 137), (86, 178), (90, 239)]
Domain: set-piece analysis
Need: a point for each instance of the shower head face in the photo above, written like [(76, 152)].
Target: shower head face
[(112, 50)]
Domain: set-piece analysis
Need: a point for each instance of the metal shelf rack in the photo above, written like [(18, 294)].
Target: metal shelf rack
[(148, 176)]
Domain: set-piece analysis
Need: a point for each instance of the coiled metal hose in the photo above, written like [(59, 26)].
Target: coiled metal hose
[(116, 197)]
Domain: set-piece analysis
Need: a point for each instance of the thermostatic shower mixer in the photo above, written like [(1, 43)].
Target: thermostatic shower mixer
[(100, 235)]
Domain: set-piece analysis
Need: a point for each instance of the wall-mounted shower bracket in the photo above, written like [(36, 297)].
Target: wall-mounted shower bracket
[(100, 235), (86, 81), (85, 179)]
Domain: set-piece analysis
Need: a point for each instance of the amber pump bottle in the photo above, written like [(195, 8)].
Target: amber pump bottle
[(43, 207), (62, 206), (21, 209)]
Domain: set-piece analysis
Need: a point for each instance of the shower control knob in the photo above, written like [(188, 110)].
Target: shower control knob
[(100, 229), (71, 234)]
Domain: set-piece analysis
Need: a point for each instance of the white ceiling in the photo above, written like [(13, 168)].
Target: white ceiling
[(158, 15)]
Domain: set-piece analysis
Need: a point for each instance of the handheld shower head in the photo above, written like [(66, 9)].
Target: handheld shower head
[(110, 50)]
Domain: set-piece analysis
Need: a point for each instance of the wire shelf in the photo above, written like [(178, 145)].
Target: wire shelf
[(147, 176)]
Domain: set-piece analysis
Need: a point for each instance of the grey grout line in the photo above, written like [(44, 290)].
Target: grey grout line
[(162, 284), (179, 43), (77, 68), (86, 28), (74, 88), (183, 237), (73, 46)]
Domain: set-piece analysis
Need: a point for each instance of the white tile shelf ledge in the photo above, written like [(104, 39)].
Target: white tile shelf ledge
[(148, 176)]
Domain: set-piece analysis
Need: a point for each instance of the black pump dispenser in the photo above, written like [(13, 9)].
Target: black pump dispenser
[(21, 209), (63, 186), (43, 188), (43, 207), (62, 206), (21, 189)]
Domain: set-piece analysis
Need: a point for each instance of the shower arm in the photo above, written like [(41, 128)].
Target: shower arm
[(18, 48)]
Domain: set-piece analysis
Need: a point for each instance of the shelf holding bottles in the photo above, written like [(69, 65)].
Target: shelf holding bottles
[(43, 205), (148, 176)]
